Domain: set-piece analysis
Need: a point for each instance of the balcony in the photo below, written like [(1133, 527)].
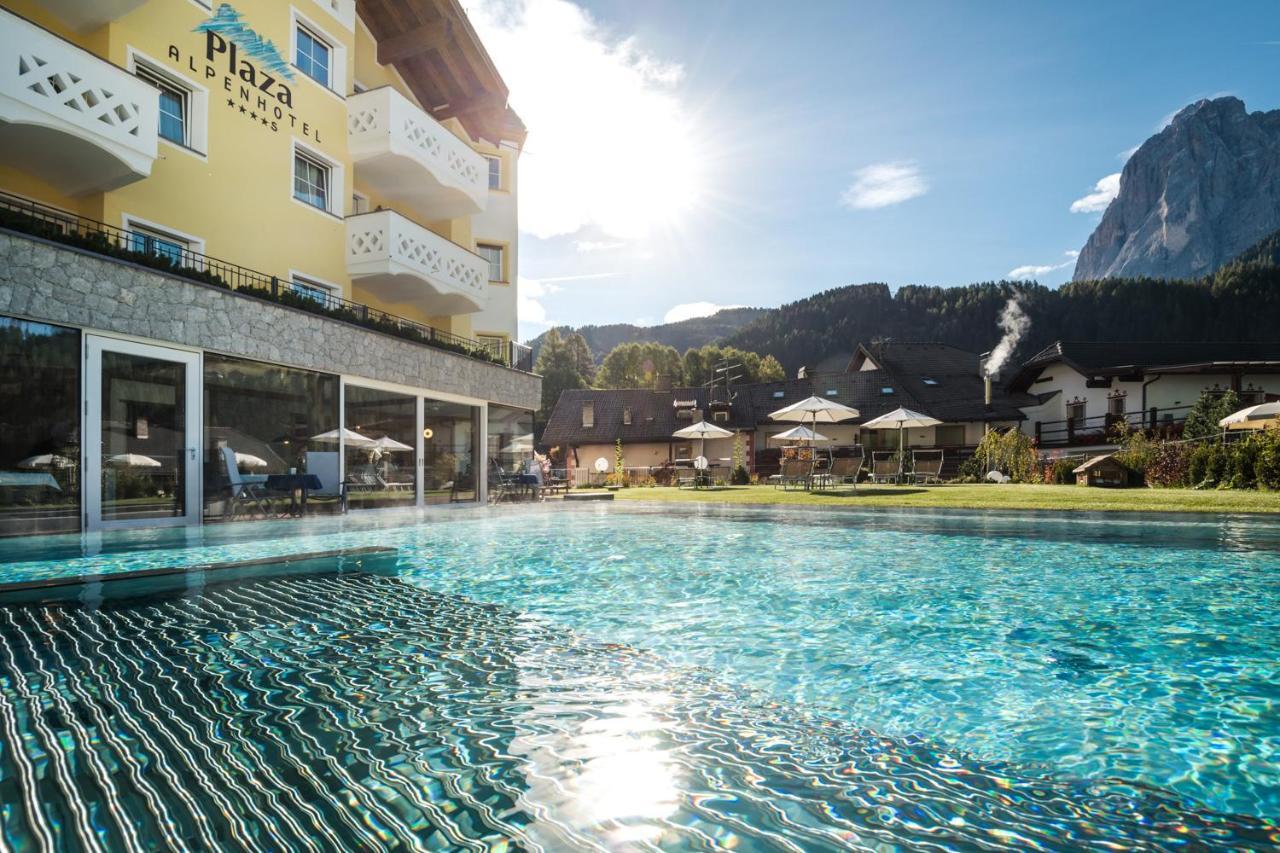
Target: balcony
[(85, 16), (405, 155), (398, 260), (69, 118)]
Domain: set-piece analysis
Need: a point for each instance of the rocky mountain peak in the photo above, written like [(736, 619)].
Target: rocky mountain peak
[(1192, 197)]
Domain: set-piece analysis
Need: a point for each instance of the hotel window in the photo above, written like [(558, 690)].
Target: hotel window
[(312, 56), (313, 290), (723, 417), (159, 244), (310, 181), (495, 172), (626, 415), (588, 415), (1075, 411), (492, 256), (1115, 405), (173, 106)]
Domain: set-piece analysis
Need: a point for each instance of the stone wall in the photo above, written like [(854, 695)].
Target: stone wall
[(44, 281)]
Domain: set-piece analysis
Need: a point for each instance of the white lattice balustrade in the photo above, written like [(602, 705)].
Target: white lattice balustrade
[(403, 153), (73, 119), (400, 261)]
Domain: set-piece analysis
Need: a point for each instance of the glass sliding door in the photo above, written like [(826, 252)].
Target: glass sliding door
[(39, 428), (264, 419), (450, 432), (141, 431), (380, 444)]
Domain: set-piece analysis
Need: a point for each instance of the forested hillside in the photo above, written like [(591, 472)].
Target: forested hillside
[(1241, 301), (683, 335)]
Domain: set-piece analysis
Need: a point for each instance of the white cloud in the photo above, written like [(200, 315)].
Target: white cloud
[(1104, 192), (529, 308), (610, 144), (598, 245), (689, 310), (883, 184), (1127, 153), (1034, 271)]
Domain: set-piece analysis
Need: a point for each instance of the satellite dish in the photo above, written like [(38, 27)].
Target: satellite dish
[(602, 465), (700, 463)]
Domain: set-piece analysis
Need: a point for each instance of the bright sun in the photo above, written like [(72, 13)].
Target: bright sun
[(611, 145)]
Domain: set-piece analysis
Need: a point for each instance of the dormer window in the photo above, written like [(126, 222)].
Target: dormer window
[(588, 415), (626, 415), (721, 415), (886, 390), (831, 392), (778, 395)]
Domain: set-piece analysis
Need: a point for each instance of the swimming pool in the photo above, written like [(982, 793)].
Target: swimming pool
[(609, 675)]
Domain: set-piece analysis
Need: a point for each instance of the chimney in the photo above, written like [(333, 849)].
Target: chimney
[(802, 373), (986, 392)]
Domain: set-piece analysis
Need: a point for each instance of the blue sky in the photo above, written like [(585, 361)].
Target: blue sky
[(755, 153)]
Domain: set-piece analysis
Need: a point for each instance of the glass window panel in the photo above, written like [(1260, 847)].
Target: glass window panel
[(449, 436), (273, 419), (144, 437), (495, 173), (155, 244), (493, 257), (313, 57), (310, 182), (172, 116), (39, 428), (381, 467), (312, 291)]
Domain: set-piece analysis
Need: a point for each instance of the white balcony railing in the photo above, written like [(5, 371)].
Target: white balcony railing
[(74, 120), (87, 15), (399, 261), (404, 154)]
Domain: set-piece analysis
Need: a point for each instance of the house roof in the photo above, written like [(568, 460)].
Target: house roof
[(1094, 462), (1105, 358), (434, 47), (955, 395)]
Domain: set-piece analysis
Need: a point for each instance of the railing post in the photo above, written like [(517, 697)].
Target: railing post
[(275, 287), (1155, 414), (1071, 429), (1037, 432)]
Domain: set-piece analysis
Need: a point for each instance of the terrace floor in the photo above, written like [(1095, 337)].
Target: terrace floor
[(980, 496)]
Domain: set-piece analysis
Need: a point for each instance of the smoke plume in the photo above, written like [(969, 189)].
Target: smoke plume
[(1015, 323)]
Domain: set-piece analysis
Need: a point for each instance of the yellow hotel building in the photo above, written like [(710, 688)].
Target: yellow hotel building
[(253, 251)]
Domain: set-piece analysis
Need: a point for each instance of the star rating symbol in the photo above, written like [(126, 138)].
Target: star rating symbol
[(264, 121), (230, 102), (242, 109), (253, 116)]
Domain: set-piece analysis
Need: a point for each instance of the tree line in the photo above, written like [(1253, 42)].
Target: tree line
[(566, 363)]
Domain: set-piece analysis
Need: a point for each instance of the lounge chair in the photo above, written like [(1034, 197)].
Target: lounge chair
[(926, 466), (884, 466), (797, 472), (844, 470), (327, 466), (244, 490)]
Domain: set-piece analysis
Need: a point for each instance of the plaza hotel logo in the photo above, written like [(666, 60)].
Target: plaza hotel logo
[(253, 72)]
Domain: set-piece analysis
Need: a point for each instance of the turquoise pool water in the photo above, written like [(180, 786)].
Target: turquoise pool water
[(1082, 673)]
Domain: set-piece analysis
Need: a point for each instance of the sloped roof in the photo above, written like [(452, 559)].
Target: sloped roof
[(1112, 358), (955, 396)]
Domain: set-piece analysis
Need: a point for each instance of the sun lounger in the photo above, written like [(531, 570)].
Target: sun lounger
[(844, 470), (884, 467), (244, 490), (796, 472), (926, 466)]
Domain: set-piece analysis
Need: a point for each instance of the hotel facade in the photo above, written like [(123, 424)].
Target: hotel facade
[(241, 244)]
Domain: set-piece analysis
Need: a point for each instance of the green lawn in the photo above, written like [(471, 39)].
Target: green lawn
[(986, 496)]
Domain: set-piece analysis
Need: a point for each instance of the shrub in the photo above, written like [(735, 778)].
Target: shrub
[(1060, 472), (1010, 452), (740, 476), (1169, 465)]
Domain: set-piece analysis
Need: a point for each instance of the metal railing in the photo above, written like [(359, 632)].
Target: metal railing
[(1096, 429), (154, 251)]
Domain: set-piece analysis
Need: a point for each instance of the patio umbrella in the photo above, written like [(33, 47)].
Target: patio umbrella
[(47, 460), (133, 460), (903, 419), (1254, 417), (248, 460), (520, 444), (349, 437), (389, 443), (799, 433), (702, 430)]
